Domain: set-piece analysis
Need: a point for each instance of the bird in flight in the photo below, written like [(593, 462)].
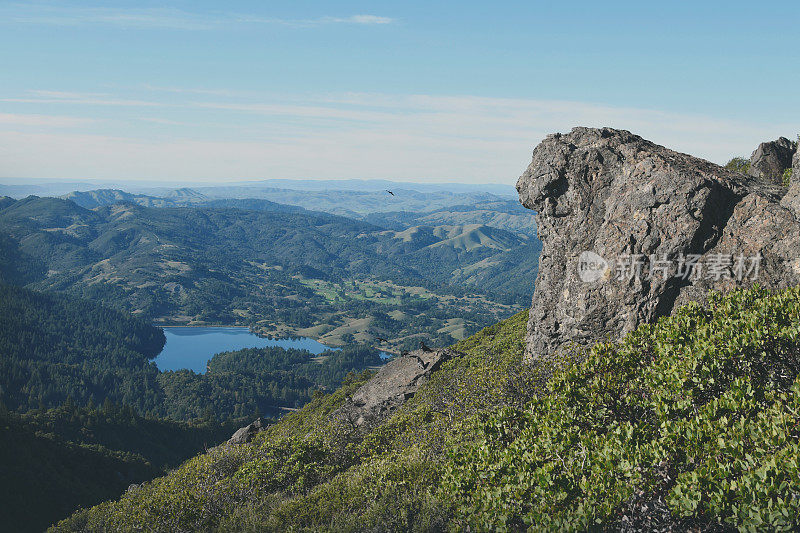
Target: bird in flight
[(390, 192)]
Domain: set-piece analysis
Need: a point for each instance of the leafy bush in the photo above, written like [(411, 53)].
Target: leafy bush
[(786, 179), (738, 164), (701, 410)]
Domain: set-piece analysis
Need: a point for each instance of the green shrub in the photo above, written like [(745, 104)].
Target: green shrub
[(738, 164), (786, 179), (709, 396)]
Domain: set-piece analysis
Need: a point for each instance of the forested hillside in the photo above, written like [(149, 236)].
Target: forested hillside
[(57, 460), (54, 347), (57, 349), (84, 412)]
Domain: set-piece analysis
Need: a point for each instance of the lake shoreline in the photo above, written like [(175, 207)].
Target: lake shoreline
[(191, 347), (253, 331)]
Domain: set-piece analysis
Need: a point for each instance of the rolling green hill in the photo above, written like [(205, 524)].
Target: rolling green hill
[(503, 214), (265, 266), (465, 238)]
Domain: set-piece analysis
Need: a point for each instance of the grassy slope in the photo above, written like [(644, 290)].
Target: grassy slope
[(698, 414)]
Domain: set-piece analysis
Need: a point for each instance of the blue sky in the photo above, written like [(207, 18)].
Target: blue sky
[(419, 91)]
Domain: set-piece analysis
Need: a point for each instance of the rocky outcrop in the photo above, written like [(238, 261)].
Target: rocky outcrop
[(392, 385), (631, 230), (245, 434), (772, 158)]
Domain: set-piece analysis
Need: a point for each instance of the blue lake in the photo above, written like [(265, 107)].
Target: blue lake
[(192, 347)]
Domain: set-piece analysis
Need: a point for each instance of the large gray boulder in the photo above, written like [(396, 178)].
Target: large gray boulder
[(771, 159), (396, 382), (619, 216), (245, 434)]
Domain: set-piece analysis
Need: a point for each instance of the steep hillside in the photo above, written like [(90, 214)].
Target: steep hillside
[(54, 348), (73, 457), (17, 267), (691, 422), (36, 467)]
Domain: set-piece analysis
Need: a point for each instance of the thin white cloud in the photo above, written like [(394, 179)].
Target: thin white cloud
[(66, 94), (193, 90), (96, 99), (143, 18), (54, 121), (360, 19), (411, 137), (164, 121), (160, 18)]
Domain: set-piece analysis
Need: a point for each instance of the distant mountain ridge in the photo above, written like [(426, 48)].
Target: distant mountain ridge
[(379, 208), (177, 198), (380, 185), (22, 187)]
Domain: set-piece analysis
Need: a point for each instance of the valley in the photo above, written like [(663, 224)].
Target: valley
[(282, 270)]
